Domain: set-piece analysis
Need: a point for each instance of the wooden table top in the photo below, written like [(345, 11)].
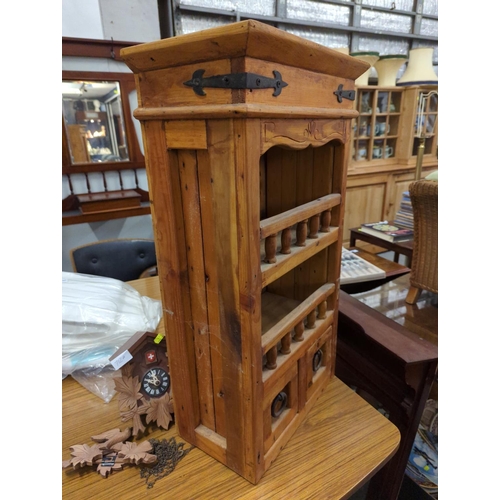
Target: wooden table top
[(341, 444), (392, 271), (421, 318)]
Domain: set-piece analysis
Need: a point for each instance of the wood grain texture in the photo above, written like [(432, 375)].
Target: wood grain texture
[(247, 135), (211, 286), (243, 110), (186, 134), (188, 177), (217, 137), (290, 217), (251, 38), (339, 446), (168, 238), (225, 212)]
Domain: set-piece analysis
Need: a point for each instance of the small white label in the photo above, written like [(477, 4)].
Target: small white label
[(120, 360)]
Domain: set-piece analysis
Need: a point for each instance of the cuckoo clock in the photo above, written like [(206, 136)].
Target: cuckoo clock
[(144, 387)]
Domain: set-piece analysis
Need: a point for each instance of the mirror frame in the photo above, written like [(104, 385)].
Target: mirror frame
[(136, 158)]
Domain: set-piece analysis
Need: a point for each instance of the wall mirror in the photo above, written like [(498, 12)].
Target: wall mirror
[(94, 121), (97, 123), (103, 166)]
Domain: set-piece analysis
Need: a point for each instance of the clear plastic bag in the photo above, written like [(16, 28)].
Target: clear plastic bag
[(98, 316)]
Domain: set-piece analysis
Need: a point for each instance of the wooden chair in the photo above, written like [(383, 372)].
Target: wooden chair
[(122, 259), (424, 269)]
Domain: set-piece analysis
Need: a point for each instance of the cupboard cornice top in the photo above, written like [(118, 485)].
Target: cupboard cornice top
[(244, 39)]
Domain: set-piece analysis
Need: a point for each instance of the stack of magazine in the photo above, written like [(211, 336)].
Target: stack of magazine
[(387, 230), (422, 465), (404, 217)]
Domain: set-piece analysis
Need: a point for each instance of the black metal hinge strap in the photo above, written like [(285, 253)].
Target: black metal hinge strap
[(347, 94), (236, 81)]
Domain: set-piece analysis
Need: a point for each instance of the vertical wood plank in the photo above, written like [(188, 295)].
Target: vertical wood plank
[(212, 287), (273, 192), (160, 166), (304, 194), (340, 161), (225, 206), (247, 138), (288, 201), (196, 271)]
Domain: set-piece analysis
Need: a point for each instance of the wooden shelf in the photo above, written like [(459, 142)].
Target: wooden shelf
[(298, 255), (108, 201), (76, 217)]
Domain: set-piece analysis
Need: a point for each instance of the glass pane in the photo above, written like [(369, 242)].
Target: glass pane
[(93, 116)]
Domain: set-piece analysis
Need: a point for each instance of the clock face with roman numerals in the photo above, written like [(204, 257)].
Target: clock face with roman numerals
[(156, 382)]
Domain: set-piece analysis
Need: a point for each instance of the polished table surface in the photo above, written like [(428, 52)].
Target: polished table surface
[(340, 445)]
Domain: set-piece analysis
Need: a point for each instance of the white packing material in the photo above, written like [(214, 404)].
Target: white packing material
[(99, 315)]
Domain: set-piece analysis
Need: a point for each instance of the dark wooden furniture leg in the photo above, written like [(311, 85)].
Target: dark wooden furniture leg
[(352, 239), (396, 368)]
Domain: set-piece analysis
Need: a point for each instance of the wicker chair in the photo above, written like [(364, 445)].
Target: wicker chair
[(424, 269)]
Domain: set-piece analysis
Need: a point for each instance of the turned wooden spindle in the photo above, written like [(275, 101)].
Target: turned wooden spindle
[(271, 357), (286, 241), (326, 218), (270, 246), (314, 226), (311, 319), (322, 310), (299, 332), (301, 233), (285, 343)]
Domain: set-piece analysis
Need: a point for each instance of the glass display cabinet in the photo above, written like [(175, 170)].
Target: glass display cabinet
[(376, 131)]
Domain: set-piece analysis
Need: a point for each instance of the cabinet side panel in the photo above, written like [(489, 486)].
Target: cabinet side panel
[(171, 269), (188, 171)]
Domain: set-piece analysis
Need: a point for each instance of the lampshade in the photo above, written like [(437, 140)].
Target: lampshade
[(387, 68), (369, 57), (419, 70)]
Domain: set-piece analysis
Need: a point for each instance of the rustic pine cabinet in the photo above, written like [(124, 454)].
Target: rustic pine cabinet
[(246, 130)]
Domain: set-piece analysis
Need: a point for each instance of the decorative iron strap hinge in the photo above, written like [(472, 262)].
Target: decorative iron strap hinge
[(348, 94), (236, 81)]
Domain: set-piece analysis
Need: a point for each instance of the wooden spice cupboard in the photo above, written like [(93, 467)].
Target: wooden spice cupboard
[(245, 130)]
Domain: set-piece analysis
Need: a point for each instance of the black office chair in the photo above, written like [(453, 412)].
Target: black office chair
[(122, 259)]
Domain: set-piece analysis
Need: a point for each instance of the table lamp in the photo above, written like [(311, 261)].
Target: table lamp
[(419, 70), (369, 57), (387, 68), (424, 127)]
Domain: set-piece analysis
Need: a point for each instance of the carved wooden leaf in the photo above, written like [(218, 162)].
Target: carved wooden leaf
[(100, 438), (138, 424), (128, 392), (83, 455), (137, 453), (110, 438), (160, 411)]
